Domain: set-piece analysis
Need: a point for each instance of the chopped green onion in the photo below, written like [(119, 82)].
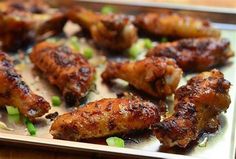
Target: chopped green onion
[(52, 40), (56, 101), (12, 110), (164, 39), (31, 128), (148, 43), (74, 42), (13, 118), (88, 53), (107, 10), (25, 120), (115, 141), (135, 50)]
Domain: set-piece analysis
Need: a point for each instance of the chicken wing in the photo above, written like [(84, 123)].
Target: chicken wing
[(158, 77), (197, 104), (70, 72), (105, 117), (15, 92), (23, 22), (114, 32), (195, 54), (175, 25)]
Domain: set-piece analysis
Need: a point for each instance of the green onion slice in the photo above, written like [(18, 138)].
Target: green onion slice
[(56, 101), (74, 42), (12, 110), (31, 128), (148, 43), (88, 53), (108, 10), (115, 141)]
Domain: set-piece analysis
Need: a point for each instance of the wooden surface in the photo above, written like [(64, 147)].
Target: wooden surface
[(19, 152)]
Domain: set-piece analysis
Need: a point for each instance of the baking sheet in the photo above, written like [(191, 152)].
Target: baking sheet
[(219, 145)]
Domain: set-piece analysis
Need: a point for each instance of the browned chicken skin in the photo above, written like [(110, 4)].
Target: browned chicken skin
[(15, 92), (175, 25), (158, 77), (195, 54), (23, 22), (197, 104), (105, 117), (68, 71), (114, 32)]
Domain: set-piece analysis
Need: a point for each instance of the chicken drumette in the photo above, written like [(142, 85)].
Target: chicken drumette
[(158, 77), (195, 54), (105, 117), (69, 71), (197, 105), (15, 92)]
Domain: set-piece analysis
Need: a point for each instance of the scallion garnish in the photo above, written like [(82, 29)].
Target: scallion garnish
[(56, 101), (88, 53), (30, 126), (148, 43), (74, 42), (12, 110), (115, 141), (107, 10)]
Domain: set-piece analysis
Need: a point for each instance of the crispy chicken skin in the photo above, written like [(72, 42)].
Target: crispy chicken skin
[(23, 22), (70, 72), (195, 54), (113, 31), (158, 77), (15, 92), (175, 25), (197, 104), (105, 117)]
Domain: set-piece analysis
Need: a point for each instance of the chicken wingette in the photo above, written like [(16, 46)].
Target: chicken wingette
[(199, 54), (155, 76), (113, 31), (69, 71), (175, 25), (105, 117), (15, 92), (197, 105)]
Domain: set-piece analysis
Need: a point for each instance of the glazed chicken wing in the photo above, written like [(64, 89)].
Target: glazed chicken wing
[(195, 54), (15, 92), (175, 25), (197, 105), (24, 22), (158, 77), (105, 117), (68, 71), (114, 32)]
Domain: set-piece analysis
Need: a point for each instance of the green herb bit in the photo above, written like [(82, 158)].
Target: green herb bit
[(12, 110), (13, 118), (74, 42), (108, 10), (56, 101), (135, 50), (31, 128), (148, 43), (164, 39), (115, 141), (88, 53)]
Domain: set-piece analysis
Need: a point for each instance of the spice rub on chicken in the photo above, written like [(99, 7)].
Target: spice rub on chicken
[(15, 92), (113, 31), (105, 117), (70, 72), (169, 24), (199, 54), (197, 106), (155, 76)]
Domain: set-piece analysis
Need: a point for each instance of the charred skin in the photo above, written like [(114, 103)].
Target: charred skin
[(197, 106), (157, 77), (175, 25), (113, 32), (15, 92), (195, 54), (70, 72), (24, 22), (105, 117)]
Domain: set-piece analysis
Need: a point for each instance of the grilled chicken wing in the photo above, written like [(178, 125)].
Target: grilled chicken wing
[(24, 22), (195, 54), (68, 71), (197, 104), (158, 77), (114, 32), (15, 92), (175, 25), (104, 118)]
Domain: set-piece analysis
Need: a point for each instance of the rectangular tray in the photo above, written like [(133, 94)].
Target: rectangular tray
[(222, 145)]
